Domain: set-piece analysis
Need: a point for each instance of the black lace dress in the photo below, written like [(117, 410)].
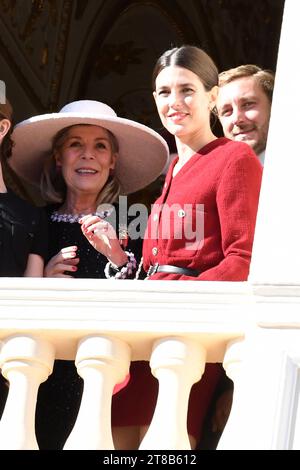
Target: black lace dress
[(23, 230), (60, 396)]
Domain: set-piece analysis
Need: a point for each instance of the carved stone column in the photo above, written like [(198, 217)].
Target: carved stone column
[(102, 362), (232, 364), (276, 249), (26, 362), (177, 363)]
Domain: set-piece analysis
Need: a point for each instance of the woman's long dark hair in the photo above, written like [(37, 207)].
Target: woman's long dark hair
[(192, 58)]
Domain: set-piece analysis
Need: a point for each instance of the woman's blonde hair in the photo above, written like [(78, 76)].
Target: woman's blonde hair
[(53, 186)]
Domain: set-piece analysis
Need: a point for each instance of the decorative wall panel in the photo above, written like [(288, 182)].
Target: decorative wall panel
[(33, 37), (119, 71)]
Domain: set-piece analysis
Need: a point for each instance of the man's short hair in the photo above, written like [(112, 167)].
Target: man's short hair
[(264, 77)]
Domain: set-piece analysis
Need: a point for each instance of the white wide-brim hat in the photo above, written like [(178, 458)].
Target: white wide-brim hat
[(142, 154)]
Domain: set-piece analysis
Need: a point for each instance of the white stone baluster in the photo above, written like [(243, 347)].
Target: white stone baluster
[(102, 362), (177, 363), (232, 364), (266, 392), (26, 362)]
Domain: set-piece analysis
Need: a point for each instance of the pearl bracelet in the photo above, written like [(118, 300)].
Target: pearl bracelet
[(126, 271)]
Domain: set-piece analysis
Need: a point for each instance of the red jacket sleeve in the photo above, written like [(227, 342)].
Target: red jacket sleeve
[(237, 202)]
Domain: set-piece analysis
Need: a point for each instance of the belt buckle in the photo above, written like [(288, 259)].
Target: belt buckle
[(152, 270)]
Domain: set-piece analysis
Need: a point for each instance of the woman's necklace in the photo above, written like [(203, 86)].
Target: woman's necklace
[(72, 218)]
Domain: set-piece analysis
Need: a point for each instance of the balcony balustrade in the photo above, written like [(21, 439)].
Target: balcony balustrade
[(252, 327), (178, 326)]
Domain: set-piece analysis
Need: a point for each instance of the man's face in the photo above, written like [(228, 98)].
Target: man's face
[(244, 112)]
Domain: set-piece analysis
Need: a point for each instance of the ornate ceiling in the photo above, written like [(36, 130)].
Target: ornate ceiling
[(33, 41), (54, 51)]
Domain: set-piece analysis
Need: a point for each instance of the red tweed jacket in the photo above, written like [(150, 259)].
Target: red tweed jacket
[(205, 217)]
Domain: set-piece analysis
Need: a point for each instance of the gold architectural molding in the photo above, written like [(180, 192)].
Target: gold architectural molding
[(34, 46)]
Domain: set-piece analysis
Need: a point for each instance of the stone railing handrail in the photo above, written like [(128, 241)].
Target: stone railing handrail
[(145, 310), (178, 326)]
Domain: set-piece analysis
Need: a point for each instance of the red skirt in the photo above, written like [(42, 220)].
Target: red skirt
[(134, 405)]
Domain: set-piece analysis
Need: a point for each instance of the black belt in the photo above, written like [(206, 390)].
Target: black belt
[(168, 268)]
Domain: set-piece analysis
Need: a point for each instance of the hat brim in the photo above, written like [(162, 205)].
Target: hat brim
[(143, 153)]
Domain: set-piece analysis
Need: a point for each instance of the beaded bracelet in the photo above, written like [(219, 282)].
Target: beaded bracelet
[(112, 271)]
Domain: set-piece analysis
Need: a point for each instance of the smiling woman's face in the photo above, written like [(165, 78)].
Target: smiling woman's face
[(182, 102), (86, 158)]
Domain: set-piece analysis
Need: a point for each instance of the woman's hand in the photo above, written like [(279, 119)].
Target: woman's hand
[(64, 261), (103, 238)]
